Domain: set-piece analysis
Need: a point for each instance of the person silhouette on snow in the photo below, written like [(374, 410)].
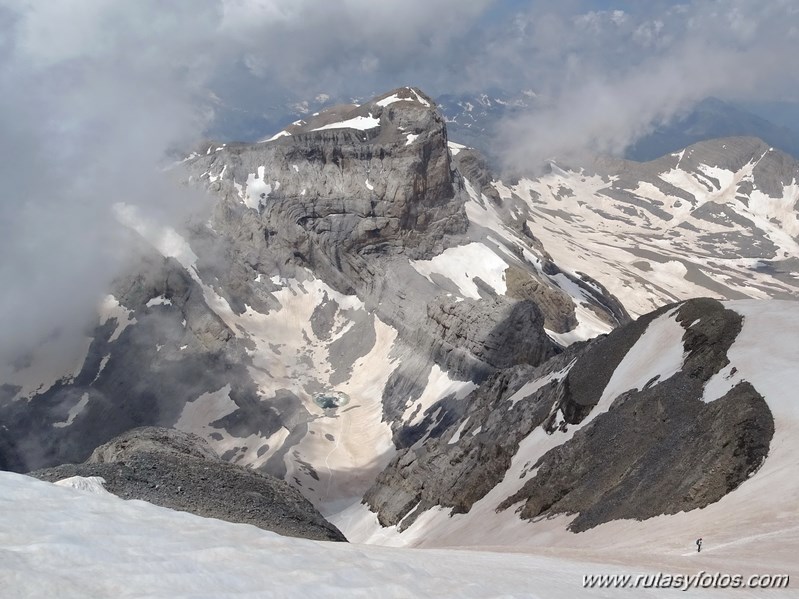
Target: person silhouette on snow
[(699, 544)]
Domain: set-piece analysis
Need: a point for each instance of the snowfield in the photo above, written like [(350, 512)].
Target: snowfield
[(83, 542), (462, 265)]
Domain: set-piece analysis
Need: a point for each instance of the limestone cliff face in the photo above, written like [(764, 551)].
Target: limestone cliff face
[(327, 197), (498, 334)]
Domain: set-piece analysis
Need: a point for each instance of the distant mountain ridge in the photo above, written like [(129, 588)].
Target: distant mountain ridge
[(712, 119), (719, 218), (472, 120)]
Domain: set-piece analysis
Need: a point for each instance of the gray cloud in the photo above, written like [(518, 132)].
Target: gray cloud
[(603, 76), (283, 52), (618, 75), (91, 100)]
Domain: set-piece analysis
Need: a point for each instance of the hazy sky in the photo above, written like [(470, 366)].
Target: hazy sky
[(95, 92), (357, 47)]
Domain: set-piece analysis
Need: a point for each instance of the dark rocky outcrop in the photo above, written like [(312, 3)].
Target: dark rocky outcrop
[(456, 474), (657, 450), (556, 306), (180, 471), (687, 453), (475, 168), (494, 334)]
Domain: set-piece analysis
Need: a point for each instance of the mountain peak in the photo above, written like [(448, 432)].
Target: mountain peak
[(400, 114)]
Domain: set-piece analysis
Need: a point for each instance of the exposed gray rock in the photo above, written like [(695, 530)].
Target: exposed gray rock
[(348, 206), (471, 340), (595, 365), (152, 440), (337, 196), (659, 450), (475, 168), (555, 305), (354, 208), (771, 171), (688, 453), (180, 471), (498, 333), (457, 473), (523, 282)]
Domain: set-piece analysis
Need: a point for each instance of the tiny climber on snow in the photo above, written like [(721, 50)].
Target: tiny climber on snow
[(699, 544)]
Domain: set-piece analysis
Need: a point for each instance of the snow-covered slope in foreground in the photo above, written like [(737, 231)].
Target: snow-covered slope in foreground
[(66, 542)]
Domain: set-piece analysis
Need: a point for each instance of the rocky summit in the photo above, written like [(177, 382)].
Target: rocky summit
[(427, 353)]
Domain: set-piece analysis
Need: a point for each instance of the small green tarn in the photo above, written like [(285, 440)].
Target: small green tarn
[(330, 400)]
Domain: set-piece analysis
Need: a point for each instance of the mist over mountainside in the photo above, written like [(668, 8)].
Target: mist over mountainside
[(475, 119), (332, 263)]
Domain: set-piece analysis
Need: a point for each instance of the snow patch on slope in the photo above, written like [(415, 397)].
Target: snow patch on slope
[(197, 416), (74, 411), (483, 212), (532, 386), (206, 408), (651, 246), (85, 484), (462, 265), (257, 189), (455, 147), (361, 123), (345, 450), (362, 443), (165, 239), (159, 301), (59, 358), (277, 135), (395, 98), (438, 386), (656, 356)]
